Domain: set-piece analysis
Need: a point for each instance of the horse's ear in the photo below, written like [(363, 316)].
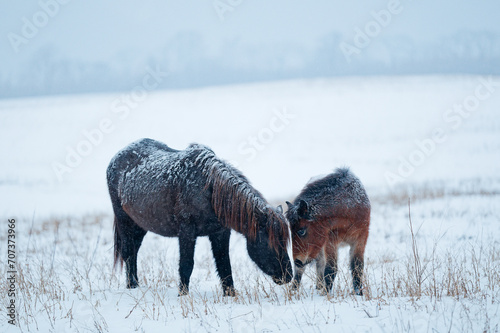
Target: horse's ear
[(289, 204), (303, 209), (279, 209)]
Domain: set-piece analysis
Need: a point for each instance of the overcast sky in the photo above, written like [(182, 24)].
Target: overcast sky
[(129, 31)]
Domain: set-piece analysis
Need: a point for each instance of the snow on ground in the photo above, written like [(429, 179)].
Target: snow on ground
[(433, 139)]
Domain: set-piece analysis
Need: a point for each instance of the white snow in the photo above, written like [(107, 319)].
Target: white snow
[(373, 125)]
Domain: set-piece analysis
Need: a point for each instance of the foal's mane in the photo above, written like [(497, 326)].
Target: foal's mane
[(236, 203)]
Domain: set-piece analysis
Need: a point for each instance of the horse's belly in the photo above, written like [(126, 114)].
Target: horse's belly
[(149, 221), (168, 225)]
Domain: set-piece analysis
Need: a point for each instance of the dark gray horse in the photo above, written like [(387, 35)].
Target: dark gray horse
[(187, 194)]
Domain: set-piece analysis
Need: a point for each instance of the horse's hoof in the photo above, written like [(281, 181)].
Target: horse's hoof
[(183, 293), (132, 285), (229, 291)]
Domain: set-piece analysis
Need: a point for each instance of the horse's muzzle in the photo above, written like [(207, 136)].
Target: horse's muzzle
[(278, 281), (287, 277)]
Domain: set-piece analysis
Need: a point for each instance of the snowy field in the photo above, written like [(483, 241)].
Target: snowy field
[(434, 140)]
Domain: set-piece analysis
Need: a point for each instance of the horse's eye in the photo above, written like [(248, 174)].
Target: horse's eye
[(302, 232)]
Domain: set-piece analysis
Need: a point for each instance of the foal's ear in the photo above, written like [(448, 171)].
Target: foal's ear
[(303, 209), (289, 204), (279, 209)]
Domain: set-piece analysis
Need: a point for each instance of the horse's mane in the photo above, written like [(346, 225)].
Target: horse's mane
[(236, 203)]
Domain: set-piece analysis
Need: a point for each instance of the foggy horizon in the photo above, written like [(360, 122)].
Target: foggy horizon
[(55, 47)]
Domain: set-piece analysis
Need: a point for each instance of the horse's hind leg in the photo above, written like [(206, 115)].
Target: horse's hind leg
[(131, 236), (220, 249)]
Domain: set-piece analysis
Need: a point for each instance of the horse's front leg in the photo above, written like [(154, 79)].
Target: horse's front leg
[(220, 249), (187, 242)]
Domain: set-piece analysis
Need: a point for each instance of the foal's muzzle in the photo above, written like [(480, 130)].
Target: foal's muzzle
[(298, 263)]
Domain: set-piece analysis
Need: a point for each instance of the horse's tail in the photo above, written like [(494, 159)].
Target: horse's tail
[(112, 180), (118, 245)]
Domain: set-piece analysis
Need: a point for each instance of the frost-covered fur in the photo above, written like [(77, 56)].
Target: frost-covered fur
[(187, 194), (330, 212)]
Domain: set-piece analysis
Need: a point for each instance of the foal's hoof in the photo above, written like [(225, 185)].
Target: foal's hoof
[(294, 285), (358, 292), (294, 288), (322, 291)]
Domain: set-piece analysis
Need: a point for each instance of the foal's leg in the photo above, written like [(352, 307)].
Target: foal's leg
[(299, 271), (320, 270), (331, 266), (220, 249), (357, 253), (131, 236), (187, 242)]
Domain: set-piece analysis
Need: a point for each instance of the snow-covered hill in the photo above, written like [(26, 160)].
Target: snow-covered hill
[(390, 131)]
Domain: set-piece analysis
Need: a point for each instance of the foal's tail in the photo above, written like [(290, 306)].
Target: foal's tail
[(118, 245)]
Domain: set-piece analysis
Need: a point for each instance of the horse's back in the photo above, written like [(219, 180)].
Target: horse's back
[(149, 145), (139, 149), (132, 155), (157, 185)]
